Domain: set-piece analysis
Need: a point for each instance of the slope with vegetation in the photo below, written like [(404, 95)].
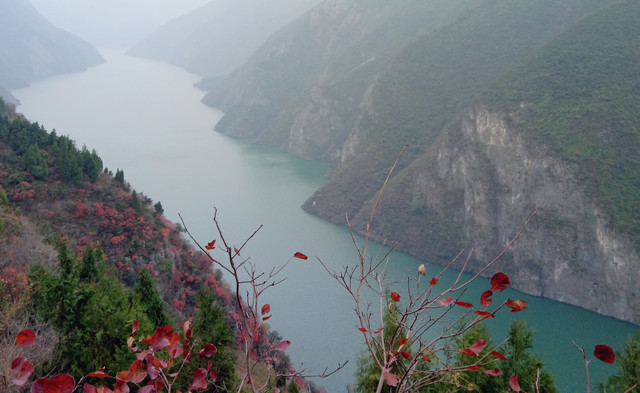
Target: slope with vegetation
[(83, 256), (506, 107)]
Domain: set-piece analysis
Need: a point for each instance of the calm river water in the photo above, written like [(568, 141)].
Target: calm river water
[(146, 118)]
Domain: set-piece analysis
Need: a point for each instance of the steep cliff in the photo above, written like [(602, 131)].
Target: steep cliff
[(558, 133), (477, 185), (553, 126), (32, 48)]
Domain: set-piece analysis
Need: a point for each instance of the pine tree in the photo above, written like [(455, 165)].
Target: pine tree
[(628, 369), (148, 296)]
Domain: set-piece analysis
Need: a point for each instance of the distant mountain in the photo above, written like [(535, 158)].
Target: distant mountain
[(507, 107), (215, 39), (32, 48)]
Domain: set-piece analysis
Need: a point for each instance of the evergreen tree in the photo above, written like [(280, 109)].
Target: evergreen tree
[(119, 176), (158, 208), (210, 326), (135, 202), (148, 296), (368, 373), (521, 362), (93, 318), (628, 369), (34, 162)]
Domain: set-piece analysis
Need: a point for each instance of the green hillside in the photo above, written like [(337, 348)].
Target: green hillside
[(580, 97)]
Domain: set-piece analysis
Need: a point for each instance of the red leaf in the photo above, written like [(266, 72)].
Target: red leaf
[(468, 352), (402, 342), (389, 378), (498, 355), (87, 388), (464, 304), (137, 371), (199, 380), (300, 255), (61, 383), (121, 387), (134, 330), (160, 338), (516, 305), (25, 338), (478, 346), (486, 314), (473, 368), (175, 350), (377, 331), (208, 350), (21, 369), (362, 329), (395, 296), (282, 345), (265, 309), (213, 374), (98, 374), (266, 318), (513, 383), (604, 353), (493, 372), (446, 301), (211, 245), (499, 282), (406, 354), (147, 389), (433, 281), (485, 299)]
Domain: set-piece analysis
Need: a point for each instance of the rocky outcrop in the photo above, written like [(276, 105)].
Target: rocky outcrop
[(478, 185)]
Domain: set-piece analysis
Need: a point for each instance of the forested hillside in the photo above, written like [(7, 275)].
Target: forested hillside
[(552, 82), (32, 48), (84, 255)]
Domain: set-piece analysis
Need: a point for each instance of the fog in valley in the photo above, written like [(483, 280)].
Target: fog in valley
[(113, 23), (287, 114)]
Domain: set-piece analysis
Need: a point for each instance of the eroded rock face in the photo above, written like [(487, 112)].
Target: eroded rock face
[(483, 179)]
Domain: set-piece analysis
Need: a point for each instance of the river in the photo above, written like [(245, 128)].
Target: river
[(146, 118)]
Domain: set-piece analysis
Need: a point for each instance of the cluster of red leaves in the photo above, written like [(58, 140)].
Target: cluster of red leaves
[(148, 366)]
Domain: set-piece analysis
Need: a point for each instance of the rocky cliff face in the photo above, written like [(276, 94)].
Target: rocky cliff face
[(478, 185), (467, 180)]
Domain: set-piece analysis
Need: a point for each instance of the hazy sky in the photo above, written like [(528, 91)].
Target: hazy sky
[(113, 23)]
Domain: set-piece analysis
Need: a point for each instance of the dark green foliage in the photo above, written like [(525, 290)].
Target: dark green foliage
[(33, 161), (91, 310), (210, 326), (149, 298), (157, 207), (520, 361), (135, 202), (628, 369), (91, 163), (119, 177), (368, 373), (579, 97), (89, 265)]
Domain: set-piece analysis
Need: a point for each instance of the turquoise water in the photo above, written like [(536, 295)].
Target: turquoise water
[(146, 118)]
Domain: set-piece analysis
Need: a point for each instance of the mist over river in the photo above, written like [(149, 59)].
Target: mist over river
[(146, 118)]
